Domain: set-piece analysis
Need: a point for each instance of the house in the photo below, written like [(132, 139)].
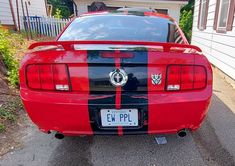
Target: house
[(171, 7), (8, 10), (214, 32)]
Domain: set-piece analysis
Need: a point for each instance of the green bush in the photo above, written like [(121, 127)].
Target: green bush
[(9, 43), (58, 14), (64, 6), (186, 22), (186, 19)]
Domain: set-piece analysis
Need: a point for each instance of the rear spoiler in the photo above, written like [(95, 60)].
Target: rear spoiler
[(69, 45)]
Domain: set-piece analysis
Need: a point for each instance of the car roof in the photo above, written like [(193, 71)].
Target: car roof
[(136, 13)]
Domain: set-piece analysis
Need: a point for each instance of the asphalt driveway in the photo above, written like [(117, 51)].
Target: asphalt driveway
[(213, 144)]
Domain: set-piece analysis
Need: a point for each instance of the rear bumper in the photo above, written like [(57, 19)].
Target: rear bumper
[(68, 113)]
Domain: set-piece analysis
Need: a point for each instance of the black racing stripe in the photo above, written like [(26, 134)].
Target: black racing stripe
[(102, 93), (135, 92), (143, 130), (99, 69)]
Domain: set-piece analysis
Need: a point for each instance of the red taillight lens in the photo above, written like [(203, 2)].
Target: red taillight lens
[(173, 77), (48, 77), (199, 77), (61, 80), (33, 77), (185, 77)]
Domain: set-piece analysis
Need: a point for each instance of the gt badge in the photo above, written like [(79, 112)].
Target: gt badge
[(118, 77), (156, 79)]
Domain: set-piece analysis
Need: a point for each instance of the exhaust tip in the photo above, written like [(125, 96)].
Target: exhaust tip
[(59, 136), (182, 133)]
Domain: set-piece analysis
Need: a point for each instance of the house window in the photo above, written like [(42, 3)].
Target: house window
[(224, 15), (203, 12)]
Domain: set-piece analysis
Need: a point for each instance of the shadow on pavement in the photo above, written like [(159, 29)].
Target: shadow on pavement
[(73, 151), (202, 147), (127, 150), (207, 141)]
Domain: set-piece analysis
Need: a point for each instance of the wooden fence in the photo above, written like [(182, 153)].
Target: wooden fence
[(43, 26)]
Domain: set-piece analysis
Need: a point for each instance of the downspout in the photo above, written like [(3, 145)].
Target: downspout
[(13, 15), (46, 7), (18, 15), (76, 8)]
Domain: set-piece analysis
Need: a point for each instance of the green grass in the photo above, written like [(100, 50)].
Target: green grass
[(8, 111), (2, 127)]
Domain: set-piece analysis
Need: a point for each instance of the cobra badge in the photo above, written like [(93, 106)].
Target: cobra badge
[(156, 79), (118, 77)]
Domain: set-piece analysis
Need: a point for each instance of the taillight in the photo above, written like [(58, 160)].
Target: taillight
[(48, 77), (33, 77), (61, 80), (185, 77)]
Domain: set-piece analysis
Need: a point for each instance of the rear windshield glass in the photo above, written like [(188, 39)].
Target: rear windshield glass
[(120, 27)]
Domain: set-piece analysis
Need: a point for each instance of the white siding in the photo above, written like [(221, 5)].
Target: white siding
[(218, 47), (36, 8), (173, 7), (5, 13)]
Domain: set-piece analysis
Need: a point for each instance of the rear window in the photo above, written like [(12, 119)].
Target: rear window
[(120, 27)]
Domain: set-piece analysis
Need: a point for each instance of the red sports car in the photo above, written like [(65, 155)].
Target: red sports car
[(118, 73)]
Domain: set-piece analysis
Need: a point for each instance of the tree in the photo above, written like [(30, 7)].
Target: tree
[(58, 13), (64, 6), (186, 19), (186, 22)]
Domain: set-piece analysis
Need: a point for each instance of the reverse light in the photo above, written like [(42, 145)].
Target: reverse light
[(48, 77), (185, 77), (62, 87), (173, 87)]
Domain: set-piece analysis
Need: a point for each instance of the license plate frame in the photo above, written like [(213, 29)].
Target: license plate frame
[(119, 117)]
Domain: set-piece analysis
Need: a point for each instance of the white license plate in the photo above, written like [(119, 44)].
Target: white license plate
[(122, 117)]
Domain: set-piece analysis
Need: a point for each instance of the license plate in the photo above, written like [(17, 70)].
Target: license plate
[(122, 117)]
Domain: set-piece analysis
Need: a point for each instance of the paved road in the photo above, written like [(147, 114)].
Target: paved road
[(213, 144)]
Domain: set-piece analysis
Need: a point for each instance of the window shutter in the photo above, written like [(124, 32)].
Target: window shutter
[(199, 14), (216, 14), (231, 15), (206, 14)]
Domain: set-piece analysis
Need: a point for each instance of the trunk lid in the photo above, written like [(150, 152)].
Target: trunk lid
[(90, 63)]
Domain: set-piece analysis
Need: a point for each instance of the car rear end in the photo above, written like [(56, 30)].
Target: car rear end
[(95, 80)]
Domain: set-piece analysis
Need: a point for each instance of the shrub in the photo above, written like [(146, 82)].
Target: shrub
[(186, 19), (58, 14), (9, 43), (186, 22)]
